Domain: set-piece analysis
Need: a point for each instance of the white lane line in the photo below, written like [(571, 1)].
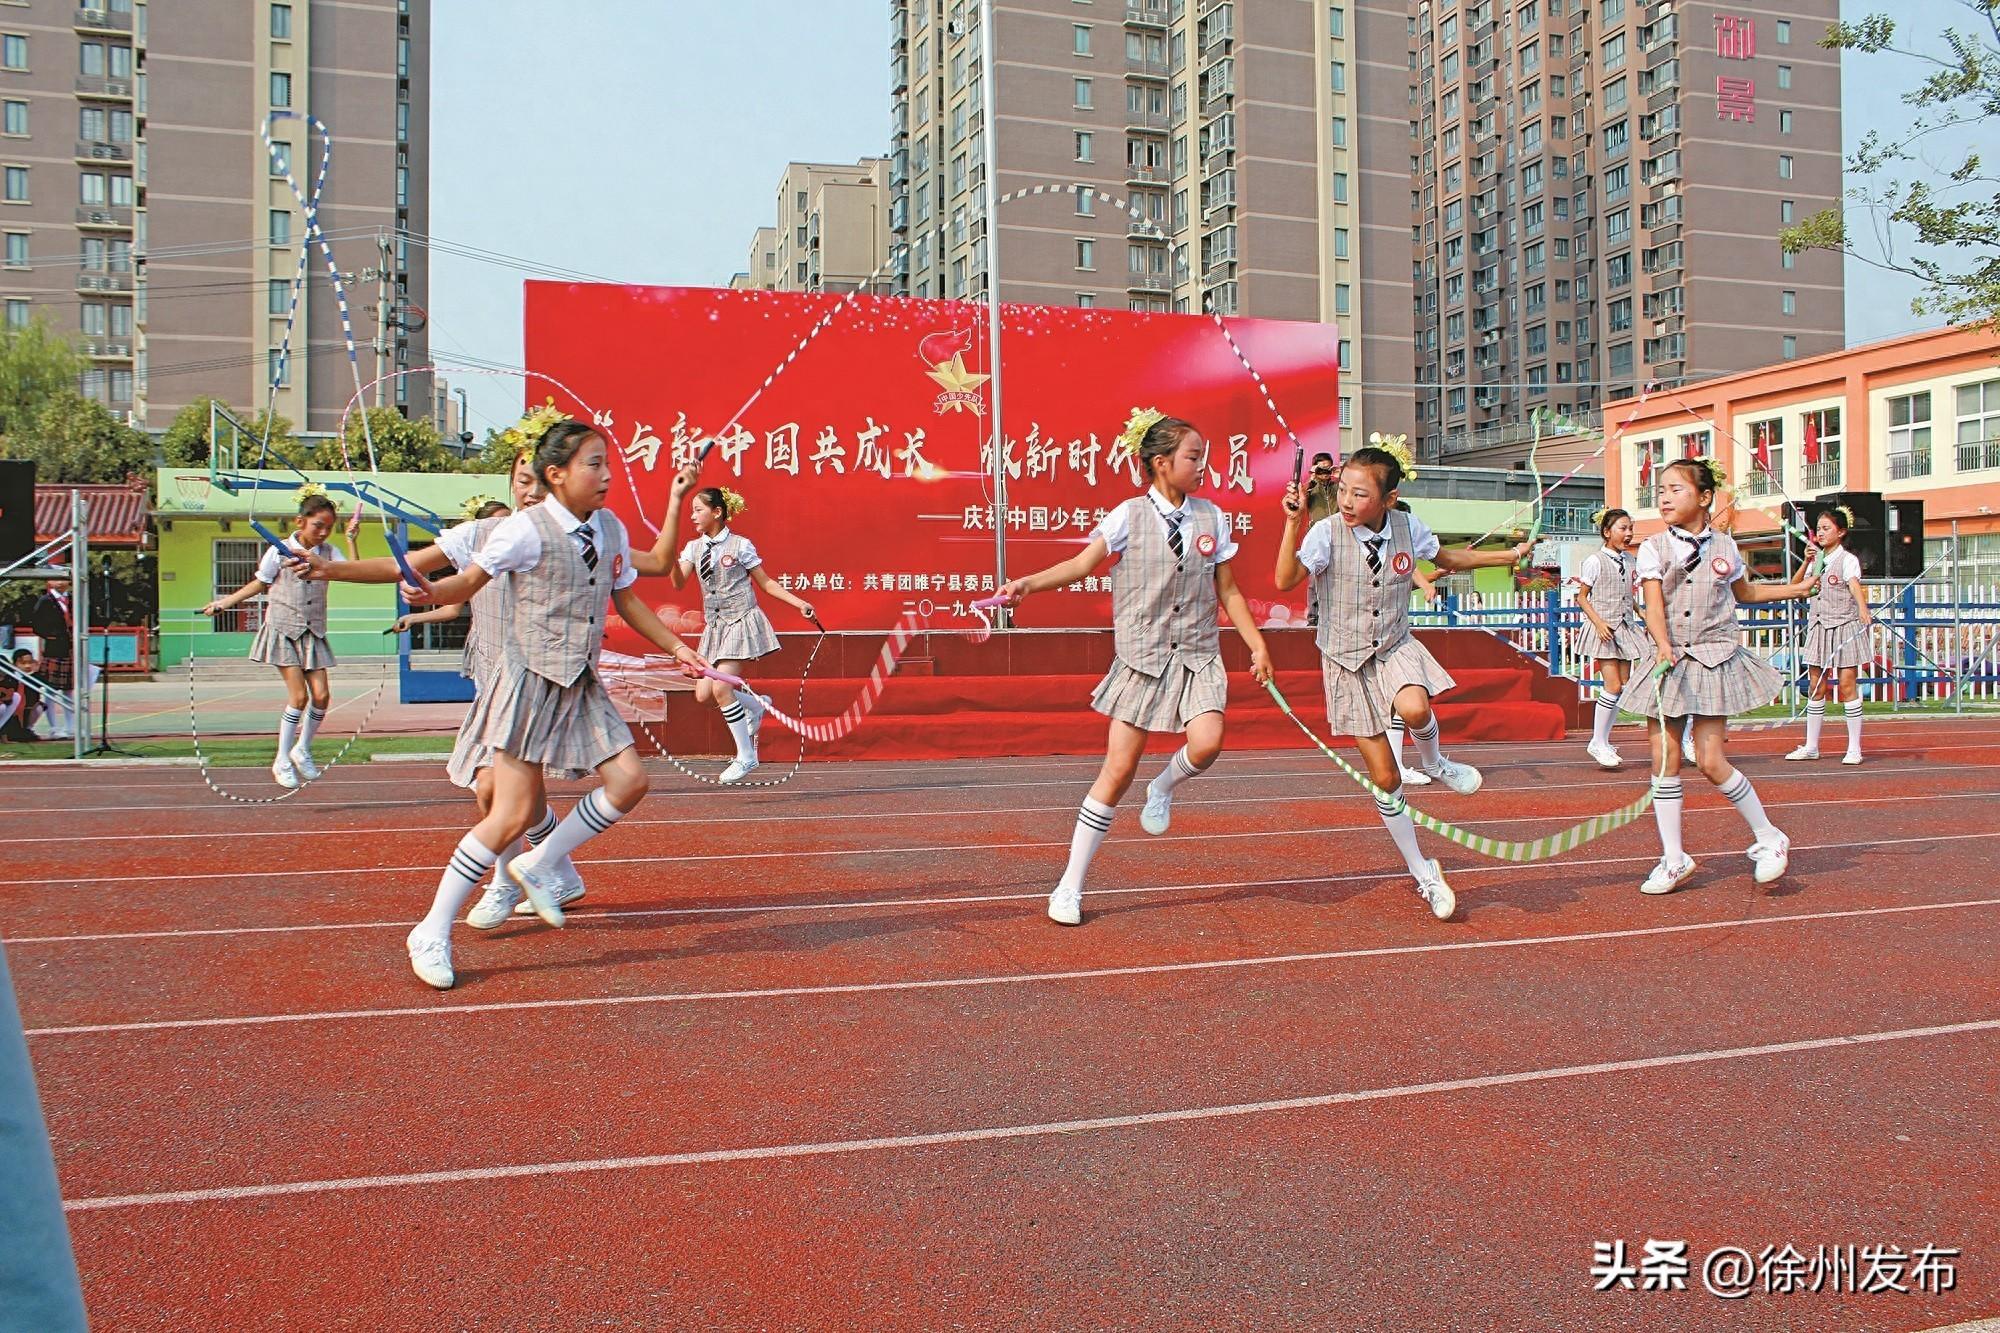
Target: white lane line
[(1001, 979), (585, 915), (448, 792), (994, 1133), (1346, 792), (795, 854)]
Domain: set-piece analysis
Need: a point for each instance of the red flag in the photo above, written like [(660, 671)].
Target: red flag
[(1691, 446), (1811, 446), (1645, 466), (1764, 445)]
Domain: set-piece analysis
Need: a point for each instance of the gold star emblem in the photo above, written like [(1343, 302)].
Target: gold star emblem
[(956, 379)]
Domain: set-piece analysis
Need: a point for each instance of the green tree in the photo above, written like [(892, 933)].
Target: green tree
[(187, 443), (36, 365), (76, 440), (400, 445), (1953, 209)]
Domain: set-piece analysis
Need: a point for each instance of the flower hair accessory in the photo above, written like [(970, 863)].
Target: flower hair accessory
[(527, 432), (1398, 448), (1142, 420), (732, 503), (1597, 516), (477, 503), (1846, 515), (1715, 470), (312, 490)]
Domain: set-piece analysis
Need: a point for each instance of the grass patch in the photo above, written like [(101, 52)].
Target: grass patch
[(241, 751)]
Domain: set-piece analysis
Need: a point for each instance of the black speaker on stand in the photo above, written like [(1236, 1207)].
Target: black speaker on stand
[(104, 745), (17, 508), (1905, 539)]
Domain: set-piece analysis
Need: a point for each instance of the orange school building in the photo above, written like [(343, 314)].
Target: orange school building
[(1915, 417)]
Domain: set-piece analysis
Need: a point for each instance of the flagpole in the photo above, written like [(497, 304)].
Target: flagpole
[(990, 134)]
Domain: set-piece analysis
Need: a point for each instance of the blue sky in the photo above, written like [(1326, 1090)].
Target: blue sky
[(641, 140)]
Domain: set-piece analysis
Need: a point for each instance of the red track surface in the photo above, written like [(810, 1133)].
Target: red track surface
[(813, 1056)]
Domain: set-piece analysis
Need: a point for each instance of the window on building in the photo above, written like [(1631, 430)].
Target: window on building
[(1086, 253), (278, 296), (1789, 302), (280, 227), (1083, 145), (1083, 95), (1336, 22), (17, 185), (1343, 298), (1613, 53), (1086, 300), (1823, 426), (17, 318), (281, 88), (281, 22), (1784, 122), (1909, 436), (1978, 425), (1784, 32), (1339, 187), (278, 369), (281, 158), (17, 249), (1784, 76), (1786, 259), (1340, 242), (16, 117), (1340, 131), (13, 55), (1790, 346), (1785, 209), (1784, 166), (1080, 38)]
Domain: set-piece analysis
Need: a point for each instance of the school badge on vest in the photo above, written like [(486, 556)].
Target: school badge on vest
[(1204, 545), (1721, 567), (728, 562), (1401, 563)]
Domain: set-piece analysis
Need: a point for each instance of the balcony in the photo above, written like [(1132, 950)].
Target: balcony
[(103, 216), (1218, 30), (1218, 261), (1139, 174), (1824, 475), (1976, 454), (1145, 16), (1147, 122), (93, 150), (1146, 67), (117, 90), (103, 280), (1910, 463), (1148, 282), (102, 20), (108, 349)]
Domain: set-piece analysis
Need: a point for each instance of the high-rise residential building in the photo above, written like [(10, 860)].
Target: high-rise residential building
[(1602, 183), (143, 213), (832, 233), (1503, 207)]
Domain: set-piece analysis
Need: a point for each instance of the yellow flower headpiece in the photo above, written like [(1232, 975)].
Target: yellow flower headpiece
[(310, 490), (527, 432), (1846, 515), (1398, 448), (732, 503), (1715, 470), (1597, 516), (477, 503), (1142, 420)]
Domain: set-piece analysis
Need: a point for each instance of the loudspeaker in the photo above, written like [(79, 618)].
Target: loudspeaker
[(1906, 538), (17, 508)]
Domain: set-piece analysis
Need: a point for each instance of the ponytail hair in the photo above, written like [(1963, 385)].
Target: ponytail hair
[(558, 445), (1604, 518)]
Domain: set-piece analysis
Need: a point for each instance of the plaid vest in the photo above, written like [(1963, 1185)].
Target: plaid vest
[(294, 606), (1834, 603), (1363, 613), (1611, 597), (1162, 609), (727, 593), (1701, 608), (489, 607), (555, 624)]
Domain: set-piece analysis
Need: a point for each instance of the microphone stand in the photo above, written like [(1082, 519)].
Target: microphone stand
[(104, 745)]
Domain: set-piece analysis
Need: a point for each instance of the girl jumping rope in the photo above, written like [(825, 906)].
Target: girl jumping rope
[(1362, 560), (1617, 636), (735, 629), (1836, 635), (1693, 577), (292, 636), (542, 709), (1173, 572)]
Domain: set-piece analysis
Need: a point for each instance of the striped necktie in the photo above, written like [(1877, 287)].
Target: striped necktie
[(589, 547), (1374, 553), (706, 567), (1174, 532), (1694, 549)]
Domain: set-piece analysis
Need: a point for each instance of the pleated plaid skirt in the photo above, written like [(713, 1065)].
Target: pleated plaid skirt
[(308, 650), (741, 638), (1628, 643), (568, 729), (1358, 700), (1166, 702), (1835, 646), (1742, 682)]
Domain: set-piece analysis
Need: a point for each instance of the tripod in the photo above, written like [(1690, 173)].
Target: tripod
[(104, 745)]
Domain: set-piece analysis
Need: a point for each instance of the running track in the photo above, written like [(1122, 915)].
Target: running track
[(814, 1057)]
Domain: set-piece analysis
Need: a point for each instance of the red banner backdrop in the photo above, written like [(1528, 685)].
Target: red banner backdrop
[(866, 462)]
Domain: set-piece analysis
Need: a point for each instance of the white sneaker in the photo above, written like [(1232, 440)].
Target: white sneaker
[(572, 888), (302, 760), (1687, 750), (1803, 752), (1771, 857), (1461, 778), (540, 885), (1159, 811), (430, 959), (1667, 876), (739, 768), (501, 900), (1416, 777), (1605, 755), (1434, 891), (1851, 757), (285, 775), (1066, 906)]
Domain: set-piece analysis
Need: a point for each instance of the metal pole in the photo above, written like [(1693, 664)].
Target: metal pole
[(1958, 652), (79, 623), (381, 313), (990, 137)]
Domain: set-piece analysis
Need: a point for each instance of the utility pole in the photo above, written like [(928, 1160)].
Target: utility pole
[(382, 271), (989, 98)]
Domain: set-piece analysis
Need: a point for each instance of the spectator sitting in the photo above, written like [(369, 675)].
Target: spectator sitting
[(18, 701)]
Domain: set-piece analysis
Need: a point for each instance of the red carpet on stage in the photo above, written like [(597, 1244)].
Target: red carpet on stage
[(1028, 693)]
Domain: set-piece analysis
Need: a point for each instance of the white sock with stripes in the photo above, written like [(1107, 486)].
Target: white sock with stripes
[(288, 732), (310, 728), (591, 816), (1607, 713), (1429, 757), (1396, 816), (468, 865), (1397, 728), (1853, 710), (1178, 770), (1815, 719), (1093, 821), (1667, 813), (539, 834), (1744, 797), (737, 718)]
